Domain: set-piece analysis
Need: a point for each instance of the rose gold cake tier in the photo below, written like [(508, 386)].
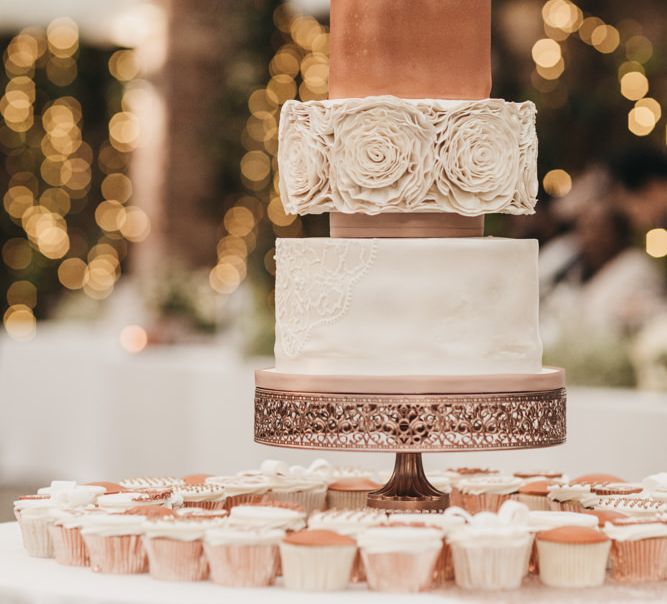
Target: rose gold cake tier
[(410, 413), (415, 225), (429, 49)]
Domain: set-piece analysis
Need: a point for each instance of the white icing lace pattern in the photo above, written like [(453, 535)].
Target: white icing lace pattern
[(314, 285), (385, 154)]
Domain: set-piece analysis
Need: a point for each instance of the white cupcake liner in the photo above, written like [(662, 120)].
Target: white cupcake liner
[(69, 547), (573, 564), (347, 500), (313, 500), (317, 568), (116, 555), (536, 503), (501, 566), (36, 536), (242, 565), (174, 560), (407, 572)]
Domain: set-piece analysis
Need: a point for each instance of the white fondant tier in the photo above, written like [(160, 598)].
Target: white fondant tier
[(385, 154), (407, 306)]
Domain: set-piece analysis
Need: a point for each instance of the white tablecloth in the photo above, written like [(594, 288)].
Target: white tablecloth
[(25, 580), (74, 405)]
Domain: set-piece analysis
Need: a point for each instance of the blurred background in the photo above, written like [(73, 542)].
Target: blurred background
[(139, 211)]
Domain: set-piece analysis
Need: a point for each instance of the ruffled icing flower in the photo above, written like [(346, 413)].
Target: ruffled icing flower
[(527, 186), (304, 158), (478, 158), (382, 156)]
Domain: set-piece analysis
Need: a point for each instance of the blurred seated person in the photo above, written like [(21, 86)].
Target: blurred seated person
[(603, 283)]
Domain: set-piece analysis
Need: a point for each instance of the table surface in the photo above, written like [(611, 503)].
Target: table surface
[(33, 580)]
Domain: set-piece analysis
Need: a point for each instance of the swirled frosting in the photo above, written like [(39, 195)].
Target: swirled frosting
[(444, 522), (539, 520), (346, 522), (477, 485), (267, 517), (400, 539), (630, 530), (113, 525), (181, 530), (385, 154), (569, 492), (236, 536)]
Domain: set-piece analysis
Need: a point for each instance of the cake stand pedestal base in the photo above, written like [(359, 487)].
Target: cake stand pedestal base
[(408, 489)]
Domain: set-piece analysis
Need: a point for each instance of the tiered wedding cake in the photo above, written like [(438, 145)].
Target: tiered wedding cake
[(408, 297)]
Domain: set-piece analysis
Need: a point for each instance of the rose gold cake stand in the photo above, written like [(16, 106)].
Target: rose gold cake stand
[(409, 415)]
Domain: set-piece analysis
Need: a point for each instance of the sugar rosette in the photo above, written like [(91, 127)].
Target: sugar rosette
[(382, 156), (304, 158), (478, 158)]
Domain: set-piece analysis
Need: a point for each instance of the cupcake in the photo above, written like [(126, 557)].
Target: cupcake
[(34, 522), (441, 481), (446, 523), (267, 517), (350, 523), (207, 496), (573, 556), (632, 506), (175, 547), (114, 543), (151, 482), (243, 557), (483, 493), (30, 501), (120, 502), (540, 475), (639, 549), (309, 494), (596, 479), (456, 474), (571, 497), (69, 548), (617, 489), (109, 487), (350, 493), (196, 478), (400, 559), (534, 494), (492, 552), (317, 560), (604, 516), (241, 489)]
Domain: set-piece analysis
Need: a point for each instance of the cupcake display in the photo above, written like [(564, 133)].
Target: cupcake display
[(400, 559), (573, 556), (350, 493), (317, 560), (484, 493), (639, 549), (242, 557), (175, 548)]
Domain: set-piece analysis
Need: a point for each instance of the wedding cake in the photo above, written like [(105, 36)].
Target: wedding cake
[(407, 296)]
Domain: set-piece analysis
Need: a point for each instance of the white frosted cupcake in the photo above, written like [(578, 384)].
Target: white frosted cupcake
[(69, 548), (493, 550), (151, 482), (114, 543), (484, 493), (34, 522), (440, 480), (571, 497), (639, 549), (540, 475), (573, 556), (317, 560), (206, 496), (534, 494), (30, 501), (456, 474), (350, 523), (175, 548), (267, 517), (120, 502), (400, 559), (446, 523), (350, 493), (242, 489), (243, 557)]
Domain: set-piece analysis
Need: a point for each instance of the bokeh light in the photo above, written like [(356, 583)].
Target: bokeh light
[(133, 338), (557, 183)]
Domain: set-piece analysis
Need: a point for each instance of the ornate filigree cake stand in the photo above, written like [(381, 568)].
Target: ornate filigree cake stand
[(409, 415)]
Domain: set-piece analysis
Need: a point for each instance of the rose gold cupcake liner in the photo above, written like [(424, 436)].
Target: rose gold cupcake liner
[(310, 501), (69, 547), (346, 500), (534, 502), (456, 498), (117, 555), (242, 565), (565, 506), (206, 505), (399, 571), (36, 537), (444, 567), (485, 502), (641, 560), (244, 499), (173, 560)]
